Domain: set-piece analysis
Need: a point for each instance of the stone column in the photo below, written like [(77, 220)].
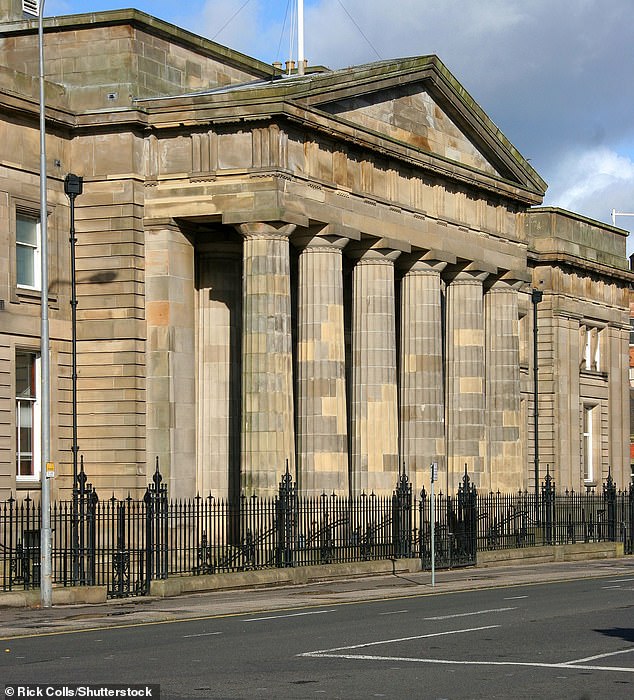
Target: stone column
[(465, 377), (267, 365), (374, 405), (170, 358), (322, 429), (422, 409), (218, 381), (505, 468)]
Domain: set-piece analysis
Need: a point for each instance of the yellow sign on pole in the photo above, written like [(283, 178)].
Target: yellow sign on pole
[(50, 470)]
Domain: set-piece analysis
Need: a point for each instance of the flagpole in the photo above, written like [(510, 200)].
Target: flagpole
[(300, 37)]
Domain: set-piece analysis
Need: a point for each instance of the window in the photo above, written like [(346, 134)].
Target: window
[(27, 369), (27, 252), (524, 338), (587, 447), (590, 348)]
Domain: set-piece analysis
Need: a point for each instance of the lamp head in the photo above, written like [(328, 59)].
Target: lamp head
[(73, 185)]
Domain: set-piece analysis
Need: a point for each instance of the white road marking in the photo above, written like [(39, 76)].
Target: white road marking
[(609, 588), (448, 662), (394, 612), (279, 617), (392, 641), (202, 634), (475, 612), (517, 597), (602, 656), (621, 580)]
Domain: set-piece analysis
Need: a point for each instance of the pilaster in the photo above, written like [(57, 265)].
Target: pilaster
[(170, 357)]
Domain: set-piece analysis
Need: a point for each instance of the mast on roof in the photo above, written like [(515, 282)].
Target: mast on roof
[(300, 38)]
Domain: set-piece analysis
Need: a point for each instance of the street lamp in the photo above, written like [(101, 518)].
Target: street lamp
[(73, 187), (536, 296), (36, 8)]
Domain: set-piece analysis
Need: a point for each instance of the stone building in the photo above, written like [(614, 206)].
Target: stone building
[(334, 270)]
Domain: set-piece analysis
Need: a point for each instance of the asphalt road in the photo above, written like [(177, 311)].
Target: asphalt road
[(567, 639)]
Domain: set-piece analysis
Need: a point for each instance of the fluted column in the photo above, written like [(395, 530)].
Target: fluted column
[(267, 369), (505, 470), (322, 431), (466, 442), (218, 377), (374, 405), (422, 406)]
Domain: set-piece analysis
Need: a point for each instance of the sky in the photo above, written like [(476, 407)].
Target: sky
[(556, 76)]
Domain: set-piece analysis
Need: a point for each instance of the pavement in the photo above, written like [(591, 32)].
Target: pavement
[(21, 622)]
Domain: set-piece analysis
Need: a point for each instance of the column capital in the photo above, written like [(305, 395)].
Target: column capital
[(425, 262), (265, 229), (376, 253), (469, 272), (510, 279), (324, 239)]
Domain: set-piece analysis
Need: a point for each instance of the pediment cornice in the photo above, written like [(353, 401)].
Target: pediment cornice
[(306, 101)]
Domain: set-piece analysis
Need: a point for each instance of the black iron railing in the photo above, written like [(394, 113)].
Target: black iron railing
[(124, 544)]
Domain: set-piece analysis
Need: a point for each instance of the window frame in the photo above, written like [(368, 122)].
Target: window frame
[(35, 416), (22, 294), (591, 355), (590, 443), (37, 250)]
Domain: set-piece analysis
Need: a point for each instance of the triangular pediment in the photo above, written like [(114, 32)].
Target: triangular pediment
[(418, 104), (413, 117)]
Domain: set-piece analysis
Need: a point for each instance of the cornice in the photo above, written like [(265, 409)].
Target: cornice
[(146, 22), (574, 262)]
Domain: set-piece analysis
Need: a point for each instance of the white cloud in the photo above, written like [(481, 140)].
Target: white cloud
[(593, 183), (581, 177)]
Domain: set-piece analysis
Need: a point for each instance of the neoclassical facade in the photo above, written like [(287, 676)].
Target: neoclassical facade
[(342, 272)]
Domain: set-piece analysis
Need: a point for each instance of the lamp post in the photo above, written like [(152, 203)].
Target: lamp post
[(73, 187), (536, 296), (36, 8)]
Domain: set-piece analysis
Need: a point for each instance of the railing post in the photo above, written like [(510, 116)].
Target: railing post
[(467, 515), (402, 517), (91, 518), (548, 506), (155, 528), (423, 512), (630, 544), (286, 503), (609, 498), (79, 486)]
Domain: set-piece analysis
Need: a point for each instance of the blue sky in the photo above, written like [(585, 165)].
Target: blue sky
[(554, 75)]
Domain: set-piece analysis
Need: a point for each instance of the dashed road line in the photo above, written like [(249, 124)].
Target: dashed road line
[(280, 617), (468, 614)]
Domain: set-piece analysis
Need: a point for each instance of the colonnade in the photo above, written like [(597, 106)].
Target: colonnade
[(432, 375), (413, 359)]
